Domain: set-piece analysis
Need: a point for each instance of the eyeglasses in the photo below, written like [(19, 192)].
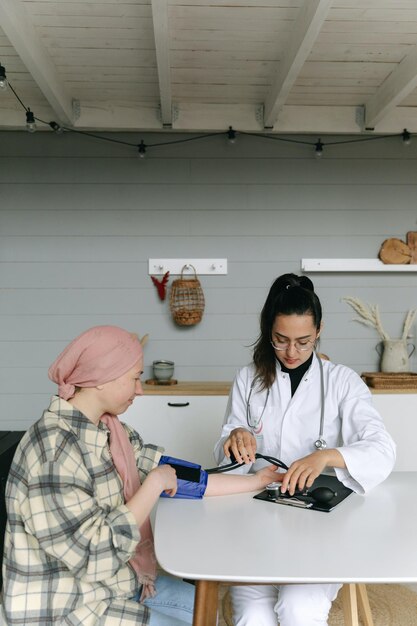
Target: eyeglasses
[(300, 346)]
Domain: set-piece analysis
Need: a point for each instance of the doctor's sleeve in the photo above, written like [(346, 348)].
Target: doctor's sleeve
[(367, 448), (235, 417)]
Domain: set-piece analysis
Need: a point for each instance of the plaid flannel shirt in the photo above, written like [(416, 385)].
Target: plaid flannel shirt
[(69, 535)]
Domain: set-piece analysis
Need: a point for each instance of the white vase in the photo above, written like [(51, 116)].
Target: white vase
[(395, 355)]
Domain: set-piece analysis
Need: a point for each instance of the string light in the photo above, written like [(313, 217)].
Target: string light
[(319, 149), (406, 137), (231, 134), (58, 130), (30, 121), (142, 149), (3, 78)]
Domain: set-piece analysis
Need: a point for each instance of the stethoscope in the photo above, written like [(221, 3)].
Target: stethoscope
[(257, 425), (319, 494)]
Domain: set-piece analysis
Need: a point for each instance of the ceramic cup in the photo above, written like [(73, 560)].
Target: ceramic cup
[(163, 370)]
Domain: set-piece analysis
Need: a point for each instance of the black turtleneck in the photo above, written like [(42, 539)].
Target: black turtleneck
[(297, 373)]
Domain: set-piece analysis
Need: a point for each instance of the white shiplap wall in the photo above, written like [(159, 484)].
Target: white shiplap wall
[(79, 219)]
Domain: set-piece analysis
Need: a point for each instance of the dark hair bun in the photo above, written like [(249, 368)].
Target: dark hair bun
[(286, 281), (306, 283)]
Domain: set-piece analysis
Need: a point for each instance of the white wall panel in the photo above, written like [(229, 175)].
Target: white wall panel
[(218, 221), (79, 219), (135, 196)]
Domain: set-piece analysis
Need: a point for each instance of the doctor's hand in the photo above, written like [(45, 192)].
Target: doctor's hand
[(243, 445), (302, 473)]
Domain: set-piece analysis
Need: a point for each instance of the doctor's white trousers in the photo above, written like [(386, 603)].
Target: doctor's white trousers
[(286, 605)]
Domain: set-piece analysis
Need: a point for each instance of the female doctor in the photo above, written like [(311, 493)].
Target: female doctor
[(313, 415)]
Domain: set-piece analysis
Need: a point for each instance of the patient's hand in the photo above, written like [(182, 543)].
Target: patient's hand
[(268, 475)]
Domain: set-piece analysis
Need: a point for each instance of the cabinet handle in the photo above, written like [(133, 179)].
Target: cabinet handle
[(178, 404)]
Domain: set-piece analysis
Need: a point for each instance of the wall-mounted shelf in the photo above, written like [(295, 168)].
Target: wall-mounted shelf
[(352, 265)]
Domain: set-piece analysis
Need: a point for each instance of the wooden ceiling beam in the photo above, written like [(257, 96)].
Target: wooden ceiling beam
[(307, 27), (208, 117), (399, 84), (161, 31), (317, 121), (20, 32), (117, 117)]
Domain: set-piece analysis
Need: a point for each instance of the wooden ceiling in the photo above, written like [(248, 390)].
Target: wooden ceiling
[(288, 66)]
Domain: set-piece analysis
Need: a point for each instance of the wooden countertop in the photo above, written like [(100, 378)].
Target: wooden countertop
[(189, 388), (395, 391), (222, 388)]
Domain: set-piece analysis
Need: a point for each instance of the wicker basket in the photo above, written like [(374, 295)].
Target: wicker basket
[(390, 380), (187, 300)]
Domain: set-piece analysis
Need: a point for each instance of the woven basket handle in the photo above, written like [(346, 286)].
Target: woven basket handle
[(184, 267)]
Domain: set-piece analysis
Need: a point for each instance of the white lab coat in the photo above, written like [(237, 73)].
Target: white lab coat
[(290, 425)]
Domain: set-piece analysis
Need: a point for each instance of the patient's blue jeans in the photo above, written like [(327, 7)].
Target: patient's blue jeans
[(173, 604)]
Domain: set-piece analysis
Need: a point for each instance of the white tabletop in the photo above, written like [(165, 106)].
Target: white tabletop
[(370, 538)]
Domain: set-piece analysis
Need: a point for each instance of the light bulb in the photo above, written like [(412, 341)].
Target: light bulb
[(142, 149), (406, 137), (319, 149), (3, 80), (231, 135), (30, 121), (58, 130)]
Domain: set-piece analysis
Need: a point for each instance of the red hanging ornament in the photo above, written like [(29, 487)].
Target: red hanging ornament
[(161, 285)]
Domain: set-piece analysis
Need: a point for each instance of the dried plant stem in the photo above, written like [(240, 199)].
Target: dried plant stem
[(369, 315), (409, 319)]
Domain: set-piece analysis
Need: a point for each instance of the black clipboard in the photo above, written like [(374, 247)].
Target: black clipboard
[(307, 501)]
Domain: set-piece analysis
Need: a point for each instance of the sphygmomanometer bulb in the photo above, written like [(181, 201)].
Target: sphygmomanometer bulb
[(322, 494)]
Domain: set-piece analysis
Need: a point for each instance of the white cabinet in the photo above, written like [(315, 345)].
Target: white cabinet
[(399, 412), (186, 426)]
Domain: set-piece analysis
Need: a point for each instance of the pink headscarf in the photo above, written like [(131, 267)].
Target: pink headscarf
[(97, 356)]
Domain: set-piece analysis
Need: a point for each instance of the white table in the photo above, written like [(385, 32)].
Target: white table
[(235, 538)]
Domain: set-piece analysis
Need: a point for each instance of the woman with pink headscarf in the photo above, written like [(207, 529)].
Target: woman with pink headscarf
[(79, 547)]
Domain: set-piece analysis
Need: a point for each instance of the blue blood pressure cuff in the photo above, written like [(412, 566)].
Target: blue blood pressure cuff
[(191, 479)]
